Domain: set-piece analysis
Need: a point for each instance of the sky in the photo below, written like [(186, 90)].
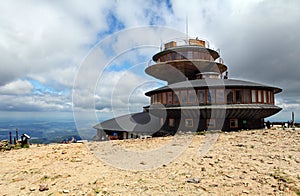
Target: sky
[(88, 58)]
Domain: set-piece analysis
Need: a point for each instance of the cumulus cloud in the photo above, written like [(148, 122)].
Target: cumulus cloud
[(18, 87), (47, 42)]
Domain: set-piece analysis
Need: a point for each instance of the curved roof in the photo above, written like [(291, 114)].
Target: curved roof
[(213, 53), (142, 123), (213, 83)]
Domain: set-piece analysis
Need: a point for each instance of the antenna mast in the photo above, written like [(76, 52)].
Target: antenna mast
[(187, 28)]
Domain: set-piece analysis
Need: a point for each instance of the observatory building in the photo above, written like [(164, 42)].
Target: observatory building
[(199, 96)]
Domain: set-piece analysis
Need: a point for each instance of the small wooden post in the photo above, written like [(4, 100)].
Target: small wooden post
[(17, 137), (10, 138)]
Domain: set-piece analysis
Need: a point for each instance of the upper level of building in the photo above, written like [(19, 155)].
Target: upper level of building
[(185, 60)]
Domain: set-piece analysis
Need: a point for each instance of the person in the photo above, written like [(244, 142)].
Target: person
[(268, 124)]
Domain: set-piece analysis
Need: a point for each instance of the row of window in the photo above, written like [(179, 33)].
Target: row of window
[(214, 96), (189, 122), (204, 55)]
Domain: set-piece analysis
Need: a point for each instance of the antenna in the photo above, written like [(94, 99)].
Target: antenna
[(187, 28)]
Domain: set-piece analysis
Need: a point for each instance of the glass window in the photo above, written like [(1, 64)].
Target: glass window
[(253, 96), (176, 97), (171, 122), (183, 97), (184, 56), (169, 97), (164, 98), (229, 96), (246, 96), (155, 98), (272, 98), (269, 97), (201, 96), (173, 56), (233, 123), (159, 97), (259, 96), (220, 95), (196, 54), (169, 57), (189, 122), (265, 96), (191, 96), (211, 96), (178, 56), (190, 54), (162, 121), (238, 96), (211, 123)]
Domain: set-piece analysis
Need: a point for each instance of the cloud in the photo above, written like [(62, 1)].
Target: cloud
[(47, 41), (18, 87)]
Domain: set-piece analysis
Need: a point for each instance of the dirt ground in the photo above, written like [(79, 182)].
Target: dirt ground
[(260, 162)]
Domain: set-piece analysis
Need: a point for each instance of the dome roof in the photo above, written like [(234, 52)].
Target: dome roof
[(214, 83)]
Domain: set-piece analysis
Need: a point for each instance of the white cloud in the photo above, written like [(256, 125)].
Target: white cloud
[(18, 87), (47, 41)]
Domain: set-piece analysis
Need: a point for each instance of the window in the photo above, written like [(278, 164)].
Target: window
[(159, 97), (229, 96), (168, 57), (176, 97), (233, 123), (171, 122), (173, 56), (183, 97), (259, 96), (211, 96), (238, 96), (211, 123), (253, 96), (190, 54), (169, 97), (155, 98), (191, 96), (178, 56), (265, 96), (196, 54), (246, 96), (189, 122), (201, 96), (220, 95), (162, 121), (269, 97), (164, 98)]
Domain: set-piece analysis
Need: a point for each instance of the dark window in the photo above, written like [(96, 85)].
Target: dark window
[(211, 96), (176, 97), (171, 122), (229, 96), (183, 97), (189, 122), (238, 96), (233, 123), (246, 96), (164, 98), (191, 96), (190, 54), (169, 97), (201, 96), (220, 95)]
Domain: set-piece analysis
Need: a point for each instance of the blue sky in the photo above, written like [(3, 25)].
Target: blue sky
[(44, 45)]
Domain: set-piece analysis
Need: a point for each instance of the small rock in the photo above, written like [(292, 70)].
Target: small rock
[(193, 180), (245, 191), (66, 191), (142, 163), (208, 157), (32, 189), (22, 187), (43, 187)]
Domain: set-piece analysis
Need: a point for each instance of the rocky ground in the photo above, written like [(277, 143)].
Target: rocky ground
[(261, 162)]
